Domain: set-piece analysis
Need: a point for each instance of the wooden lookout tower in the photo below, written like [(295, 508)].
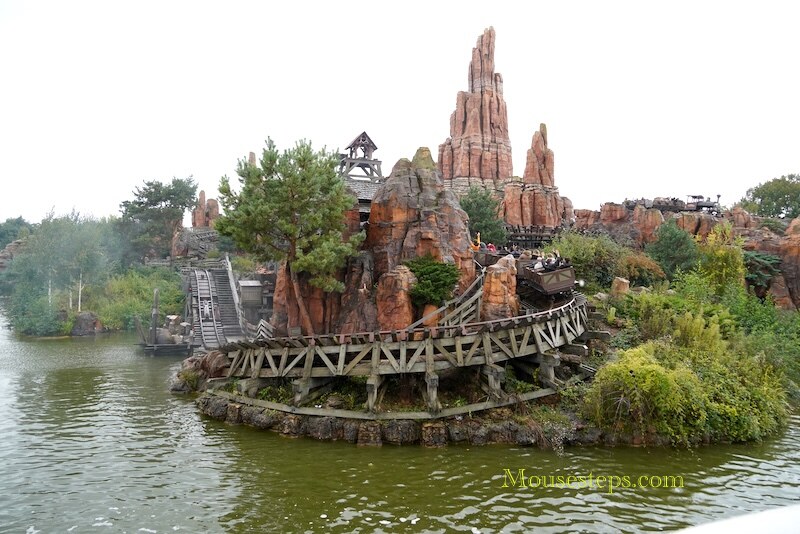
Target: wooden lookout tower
[(359, 156)]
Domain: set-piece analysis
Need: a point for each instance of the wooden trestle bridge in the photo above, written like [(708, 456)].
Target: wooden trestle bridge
[(537, 337)]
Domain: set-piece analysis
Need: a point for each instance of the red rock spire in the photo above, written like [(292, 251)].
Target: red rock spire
[(478, 151)]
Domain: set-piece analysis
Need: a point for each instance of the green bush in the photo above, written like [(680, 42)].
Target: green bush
[(775, 225), (699, 386), (637, 395), (640, 270), (761, 268), (674, 249), (722, 259), (482, 209), (435, 280), (33, 316), (130, 295)]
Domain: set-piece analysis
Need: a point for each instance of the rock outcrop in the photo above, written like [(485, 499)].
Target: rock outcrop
[(205, 213), (540, 161), (500, 298), (637, 226), (8, 253), (789, 253), (413, 215), (395, 310), (359, 312), (478, 151), (86, 324)]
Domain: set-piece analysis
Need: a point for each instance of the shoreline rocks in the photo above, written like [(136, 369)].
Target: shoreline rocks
[(492, 427)]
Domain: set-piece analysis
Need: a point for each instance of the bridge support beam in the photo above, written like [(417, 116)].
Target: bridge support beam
[(547, 364), (307, 389), (432, 392), (493, 377), (577, 350), (374, 382)]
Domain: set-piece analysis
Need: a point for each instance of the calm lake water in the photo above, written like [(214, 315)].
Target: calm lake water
[(91, 441)]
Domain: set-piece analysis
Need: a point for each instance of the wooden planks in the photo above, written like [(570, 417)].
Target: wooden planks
[(382, 353)]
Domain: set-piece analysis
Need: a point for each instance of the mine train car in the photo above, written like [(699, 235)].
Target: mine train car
[(547, 281)]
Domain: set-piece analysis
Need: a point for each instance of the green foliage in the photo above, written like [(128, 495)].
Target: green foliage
[(698, 387), (640, 270), (130, 295), (191, 377), (150, 220), (277, 392), (63, 259), (637, 395), (515, 385), (13, 229), (33, 316), (722, 259), (596, 259), (483, 210), (761, 268), (243, 264), (291, 207), (779, 197), (674, 249), (435, 280), (775, 225)]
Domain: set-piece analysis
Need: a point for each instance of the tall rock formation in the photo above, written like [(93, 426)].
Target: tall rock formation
[(534, 200), (206, 212), (478, 151), (413, 214)]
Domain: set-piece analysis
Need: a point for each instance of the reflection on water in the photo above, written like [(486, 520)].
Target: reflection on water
[(90, 439)]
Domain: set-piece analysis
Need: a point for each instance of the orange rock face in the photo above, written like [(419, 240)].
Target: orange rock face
[(412, 215), (395, 310), (647, 221), (790, 261), (696, 223), (323, 308), (540, 162), (611, 212), (205, 213), (500, 298), (358, 312), (478, 146)]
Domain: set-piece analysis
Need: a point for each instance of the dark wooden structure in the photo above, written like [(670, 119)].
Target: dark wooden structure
[(530, 237), (461, 339), (360, 158)]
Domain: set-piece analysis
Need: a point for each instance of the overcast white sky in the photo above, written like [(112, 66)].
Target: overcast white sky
[(640, 98)]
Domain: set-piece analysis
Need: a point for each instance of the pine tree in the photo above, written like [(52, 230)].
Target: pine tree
[(291, 208), (482, 209)]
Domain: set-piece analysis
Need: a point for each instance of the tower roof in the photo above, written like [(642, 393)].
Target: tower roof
[(362, 140)]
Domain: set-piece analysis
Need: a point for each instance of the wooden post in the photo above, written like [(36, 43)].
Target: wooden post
[(494, 376), (431, 380), (302, 388), (154, 318), (547, 364), (373, 384)]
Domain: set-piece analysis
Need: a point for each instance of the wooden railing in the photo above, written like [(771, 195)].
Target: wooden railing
[(400, 351), (462, 309)]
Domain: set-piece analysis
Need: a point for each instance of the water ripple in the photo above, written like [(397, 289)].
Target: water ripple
[(90, 440)]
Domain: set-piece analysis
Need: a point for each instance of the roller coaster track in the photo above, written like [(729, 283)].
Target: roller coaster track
[(207, 318)]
